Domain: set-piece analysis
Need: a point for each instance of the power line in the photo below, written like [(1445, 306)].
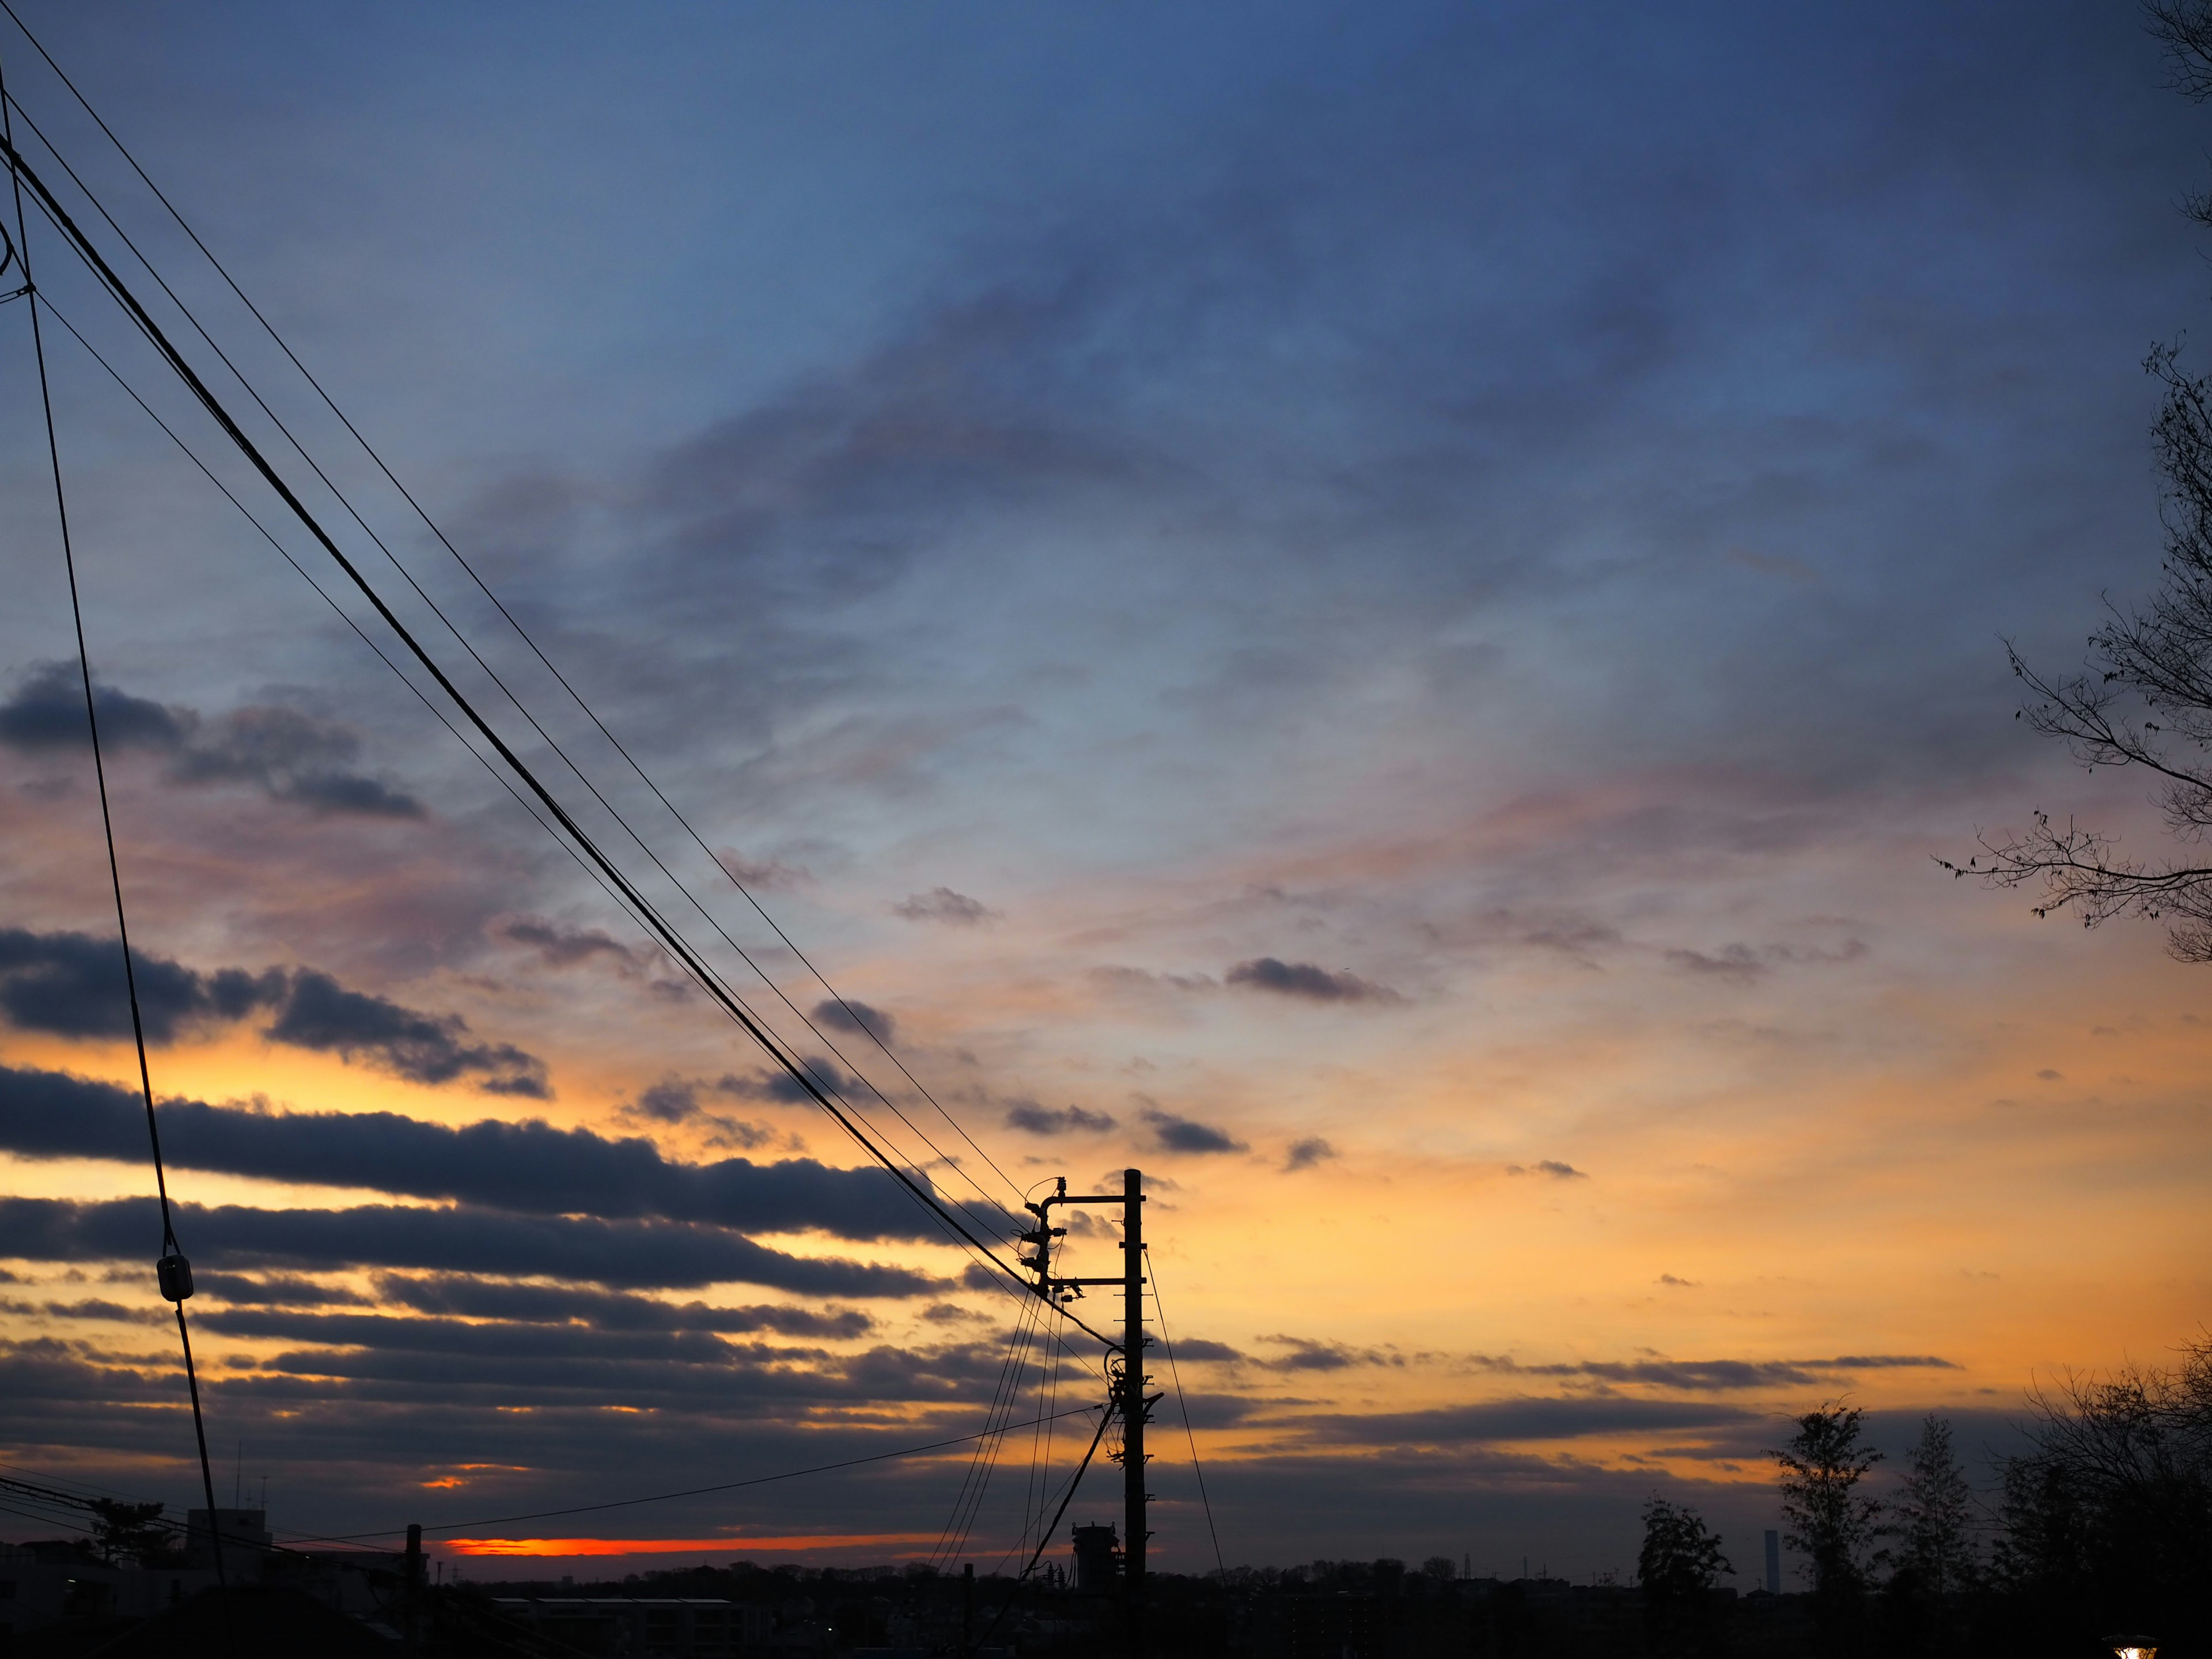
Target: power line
[(1183, 1404), (175, 1272), (612, 811), (578, 842), (1060, 1342), (666, 931), (521, 632)]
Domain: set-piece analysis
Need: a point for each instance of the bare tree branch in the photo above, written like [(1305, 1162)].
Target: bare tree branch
[(2143, 697)]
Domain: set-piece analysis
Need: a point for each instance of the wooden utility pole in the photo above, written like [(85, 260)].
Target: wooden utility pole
[(1129, 1397), (1133, 1405)]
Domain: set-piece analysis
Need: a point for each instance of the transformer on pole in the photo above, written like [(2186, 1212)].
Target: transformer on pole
[(1128, 1383)]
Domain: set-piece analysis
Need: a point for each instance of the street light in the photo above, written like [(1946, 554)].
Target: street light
[(2133, 1647)]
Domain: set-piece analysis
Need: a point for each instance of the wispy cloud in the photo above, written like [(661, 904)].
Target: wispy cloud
[(943, 904)]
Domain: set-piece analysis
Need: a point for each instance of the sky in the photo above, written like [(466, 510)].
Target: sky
[(1379, 611)]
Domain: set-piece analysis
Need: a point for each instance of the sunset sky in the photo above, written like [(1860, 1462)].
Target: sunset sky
[(1379, 610)]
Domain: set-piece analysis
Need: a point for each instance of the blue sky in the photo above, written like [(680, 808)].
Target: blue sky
[(1506, 516)]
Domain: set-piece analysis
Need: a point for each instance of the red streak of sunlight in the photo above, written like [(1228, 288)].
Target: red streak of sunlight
[(677, 1545)]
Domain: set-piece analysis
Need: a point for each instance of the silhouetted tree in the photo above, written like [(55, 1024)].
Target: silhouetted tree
[(120, 1530), (1827, 1518), (1679, 1567), (1934, 1515), (2143, 697), (2108, 1520), (1934, 1560)]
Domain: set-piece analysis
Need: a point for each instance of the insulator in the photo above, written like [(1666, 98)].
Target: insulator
[(176, 1276)]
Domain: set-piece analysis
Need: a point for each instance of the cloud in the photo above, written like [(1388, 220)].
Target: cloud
[(625, 1254), (1718, 1376), (1681, 1283), (780, 1088), (1181, 1134), (676, 1099), (1304, 1154), (564, 947), (1200, 1350), (1120, 978), (288, 754), (1742, 964), (669, 1101), (274, 1291), (321, 1014), (1317, 1354), (1306, 980), (72, 985), (1739, 963), (1047, 1120), (473, 1298), (1528, 1418), (943, 904), (1550, 1166), (46, 711), (858, 1018), (529, 1167), (1885, 1362), (760, 874)]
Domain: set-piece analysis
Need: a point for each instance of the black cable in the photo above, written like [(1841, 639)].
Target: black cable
[(420, 511), (170, 1249), (285, 554), (665, 932), (656, 924), (1005, 1397), (1034, 1491), (1183, 1404), (340, 496), (696, 967), (1045, 1541)]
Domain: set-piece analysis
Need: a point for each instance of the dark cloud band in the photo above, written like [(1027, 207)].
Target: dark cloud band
[(72, 985), (529, 1167), (632, 1255)]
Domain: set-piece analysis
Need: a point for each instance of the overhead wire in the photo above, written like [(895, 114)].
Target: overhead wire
[(942, 1546), (521, 632), (580, 845), (1182, 1405), (460, 638), (1005, 1400), (173, 1259), (370, 450), (1074, 1478), (306, 576), (1034, 1495), (658, 926)]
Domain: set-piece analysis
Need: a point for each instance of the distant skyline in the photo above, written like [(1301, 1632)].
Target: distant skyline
[(1380, 612)]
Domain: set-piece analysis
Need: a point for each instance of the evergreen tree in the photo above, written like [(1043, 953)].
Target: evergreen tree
[(1935, 1513), (1679, 1566), (1829, 1519)]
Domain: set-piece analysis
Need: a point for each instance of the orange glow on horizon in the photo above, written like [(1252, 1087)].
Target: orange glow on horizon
[(552, 1547)]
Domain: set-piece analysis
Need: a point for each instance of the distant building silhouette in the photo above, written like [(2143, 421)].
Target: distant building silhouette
[(1773, 1562), (1098, 1559)]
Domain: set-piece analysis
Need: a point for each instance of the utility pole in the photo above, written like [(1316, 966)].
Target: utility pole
[(1129, 1397), (1133, 1405), (411, 1591)]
